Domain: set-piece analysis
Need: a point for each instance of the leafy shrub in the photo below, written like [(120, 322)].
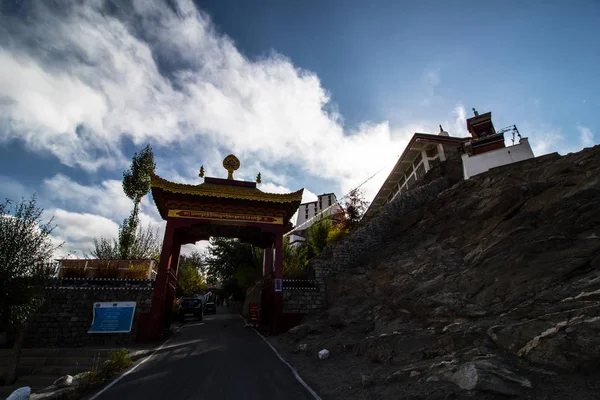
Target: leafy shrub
[(118, 361), (336, 233)]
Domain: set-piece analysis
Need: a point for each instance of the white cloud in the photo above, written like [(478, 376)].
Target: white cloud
[(107, 199), (78, 230), (94, 212), (586, 136), (546, 139), (270, 187), (211, 96), (201, 246)]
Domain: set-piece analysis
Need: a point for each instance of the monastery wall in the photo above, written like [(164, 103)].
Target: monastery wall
[(303, 300), (66, 316)]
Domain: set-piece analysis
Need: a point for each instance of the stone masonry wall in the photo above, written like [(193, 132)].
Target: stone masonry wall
[(66, 316), (302, 301), (376, 231), (348, 253)]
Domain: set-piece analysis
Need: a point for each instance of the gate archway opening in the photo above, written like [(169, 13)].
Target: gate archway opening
[(219, 208)]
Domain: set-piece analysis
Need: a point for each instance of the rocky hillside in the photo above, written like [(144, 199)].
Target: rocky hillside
[(491, 289)]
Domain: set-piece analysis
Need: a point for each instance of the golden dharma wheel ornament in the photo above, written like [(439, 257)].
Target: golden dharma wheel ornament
[(231, 163)]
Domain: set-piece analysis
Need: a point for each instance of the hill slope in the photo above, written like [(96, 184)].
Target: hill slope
[(491, 289)]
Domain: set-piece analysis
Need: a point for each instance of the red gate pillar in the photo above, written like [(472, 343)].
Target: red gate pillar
[(157, 311), (267, 261), (171, 284), (278, 285)]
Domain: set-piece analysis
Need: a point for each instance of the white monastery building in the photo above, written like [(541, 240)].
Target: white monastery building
[(326, 206), (483, 150)]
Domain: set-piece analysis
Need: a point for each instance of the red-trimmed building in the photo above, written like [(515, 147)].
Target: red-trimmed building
[(483, 150)]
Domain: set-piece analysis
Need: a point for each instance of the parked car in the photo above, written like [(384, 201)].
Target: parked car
[(210, 308), (190, 308)]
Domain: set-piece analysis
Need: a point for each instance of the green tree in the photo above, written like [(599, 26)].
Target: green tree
[(189, 281), (190, 275), (196, 259), (26, 249), (337, 233), (146, 245), (136, 184), (295, 259), (235, 264), (355, 206), (317, 236)]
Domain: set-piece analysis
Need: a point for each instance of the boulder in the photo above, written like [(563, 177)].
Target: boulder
[(303, 348), (323, 354), (20, 394), (63, 381), (484, 375)]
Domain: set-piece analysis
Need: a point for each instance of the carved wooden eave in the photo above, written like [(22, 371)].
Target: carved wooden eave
[(223, 191)]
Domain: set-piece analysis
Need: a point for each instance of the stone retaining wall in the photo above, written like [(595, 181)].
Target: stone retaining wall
[(302, 301), (348, 253), (66, 316)]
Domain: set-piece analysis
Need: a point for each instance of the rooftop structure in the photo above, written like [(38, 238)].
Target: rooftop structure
[(485, 149), (423, 152)]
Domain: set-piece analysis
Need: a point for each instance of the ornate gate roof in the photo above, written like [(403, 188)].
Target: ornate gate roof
[(216, 194)]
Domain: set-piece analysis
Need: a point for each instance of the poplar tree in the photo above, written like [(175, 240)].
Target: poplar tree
[(136, 184)]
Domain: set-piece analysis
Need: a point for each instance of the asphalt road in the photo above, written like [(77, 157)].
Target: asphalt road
[(215, 359)]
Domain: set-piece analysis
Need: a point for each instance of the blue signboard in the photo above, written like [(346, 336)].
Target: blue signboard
[(112, 317), (278, 285)]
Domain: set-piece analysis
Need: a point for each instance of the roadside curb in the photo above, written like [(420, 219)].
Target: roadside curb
[(294, 371)]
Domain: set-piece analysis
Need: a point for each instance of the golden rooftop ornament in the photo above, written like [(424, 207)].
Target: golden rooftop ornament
[(231, 163), (258, 178), (201, 173)]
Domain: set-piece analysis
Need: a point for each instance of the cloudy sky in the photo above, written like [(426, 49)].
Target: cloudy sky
[(312, 94)]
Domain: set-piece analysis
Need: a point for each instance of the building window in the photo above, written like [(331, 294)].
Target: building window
[(409, 170)]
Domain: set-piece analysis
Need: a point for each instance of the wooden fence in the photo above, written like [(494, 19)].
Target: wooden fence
[(122, 269)]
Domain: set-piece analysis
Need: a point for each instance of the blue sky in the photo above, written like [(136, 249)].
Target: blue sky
[(312, 94)]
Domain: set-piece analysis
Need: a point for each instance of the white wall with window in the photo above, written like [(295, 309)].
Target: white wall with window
[(479, 163), (306, 211)]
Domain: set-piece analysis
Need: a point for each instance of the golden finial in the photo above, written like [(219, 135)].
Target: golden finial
[(231, 163), (258, 178), (201, 173)]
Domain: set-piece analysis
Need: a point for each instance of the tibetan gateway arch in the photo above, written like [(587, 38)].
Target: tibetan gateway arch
[(219, 208)]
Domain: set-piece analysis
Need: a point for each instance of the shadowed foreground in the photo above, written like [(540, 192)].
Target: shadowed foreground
[(216, 359)]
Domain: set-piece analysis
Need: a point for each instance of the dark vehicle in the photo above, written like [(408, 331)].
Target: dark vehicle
[(210, 308), (190, 308)]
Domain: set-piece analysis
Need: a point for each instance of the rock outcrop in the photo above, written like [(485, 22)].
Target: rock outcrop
[(491, 288)]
